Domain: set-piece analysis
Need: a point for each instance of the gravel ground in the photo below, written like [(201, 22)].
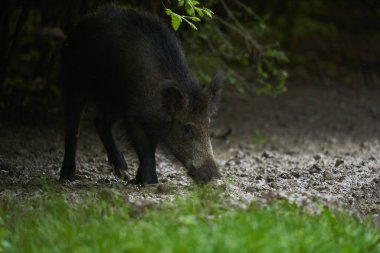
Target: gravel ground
[(315, 145)]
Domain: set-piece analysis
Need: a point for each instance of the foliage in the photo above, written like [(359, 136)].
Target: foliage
[(34, 31), (326, 39), (236, 38), (246, 38), (199, 222), (194, 14), (258, 138), (264, 61)]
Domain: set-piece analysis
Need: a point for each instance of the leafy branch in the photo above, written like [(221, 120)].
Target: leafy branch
[(235, 39), (195, 13), (239, 49)]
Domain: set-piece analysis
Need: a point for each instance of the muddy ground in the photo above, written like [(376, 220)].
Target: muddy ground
[(314, 144)]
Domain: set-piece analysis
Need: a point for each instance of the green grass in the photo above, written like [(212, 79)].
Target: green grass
[(199, 222), (258, 138)]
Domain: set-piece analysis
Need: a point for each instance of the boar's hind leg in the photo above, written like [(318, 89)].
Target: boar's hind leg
[(115, 157), (145, 147), (74, 109)]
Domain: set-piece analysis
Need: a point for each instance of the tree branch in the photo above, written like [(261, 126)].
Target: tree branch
[(242, 33)]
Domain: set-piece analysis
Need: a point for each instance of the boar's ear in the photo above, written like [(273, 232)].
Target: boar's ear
[(173, 100), (214, 92)]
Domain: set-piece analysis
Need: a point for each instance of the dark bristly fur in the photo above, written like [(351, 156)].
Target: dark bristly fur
[(133, 67)]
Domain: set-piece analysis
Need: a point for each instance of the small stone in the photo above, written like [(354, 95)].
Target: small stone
[(295, 174), (163, 188), (250, 189), (266, 155), (328, 175), (321, 187), (314, 169), (372, 158), (259, 177), (285, 175), (338, 162), (341, 178)]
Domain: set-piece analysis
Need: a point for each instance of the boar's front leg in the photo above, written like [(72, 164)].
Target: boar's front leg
[(145, 147), (115, 157), (74, 109)]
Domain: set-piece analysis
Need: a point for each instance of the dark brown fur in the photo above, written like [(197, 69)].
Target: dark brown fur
[(133, 68)]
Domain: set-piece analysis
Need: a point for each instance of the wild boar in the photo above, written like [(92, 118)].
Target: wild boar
[(132, 67)]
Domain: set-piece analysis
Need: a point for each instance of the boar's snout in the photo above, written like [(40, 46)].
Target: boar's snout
[(205, 173)]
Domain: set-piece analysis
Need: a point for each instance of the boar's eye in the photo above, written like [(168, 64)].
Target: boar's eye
[(188, 130)]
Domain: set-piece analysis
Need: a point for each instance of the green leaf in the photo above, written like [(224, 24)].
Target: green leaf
[(200, 12), (191, 24), (168, 11), (208, 12), (190, 9), (195, 19), (181, 3), (176, 21)]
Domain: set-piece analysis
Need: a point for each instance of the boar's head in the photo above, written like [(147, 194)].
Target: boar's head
[(186, 133)]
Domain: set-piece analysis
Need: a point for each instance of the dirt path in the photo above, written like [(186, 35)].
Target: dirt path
[(315, 144)]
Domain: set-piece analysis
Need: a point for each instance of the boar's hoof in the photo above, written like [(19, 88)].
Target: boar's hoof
[(142, 180), (121, 173), (142, 183), (67, 170), (64, 176)]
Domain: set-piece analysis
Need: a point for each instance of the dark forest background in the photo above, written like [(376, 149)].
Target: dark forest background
[(261, 45)]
